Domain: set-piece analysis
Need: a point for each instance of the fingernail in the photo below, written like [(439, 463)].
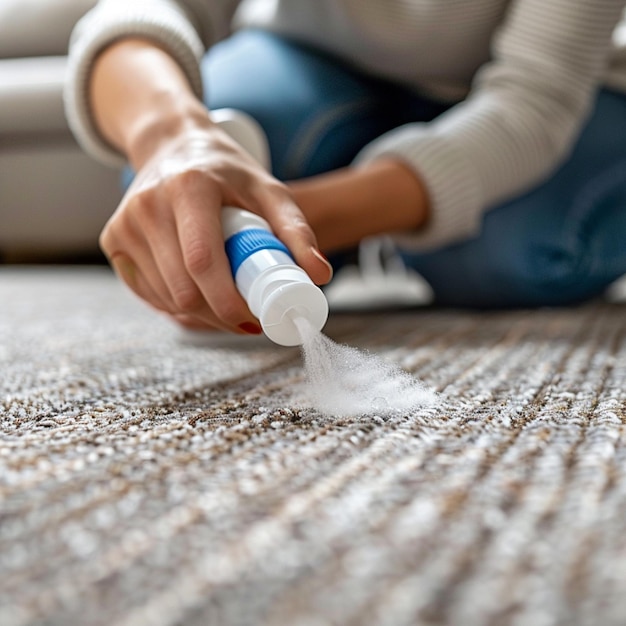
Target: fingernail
[(250, 328), (125, 268), (323, 259)]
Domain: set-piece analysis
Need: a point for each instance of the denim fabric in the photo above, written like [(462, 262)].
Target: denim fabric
[(561, 243), (316, 112)]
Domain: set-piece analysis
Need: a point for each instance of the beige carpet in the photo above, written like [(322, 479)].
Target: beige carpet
[(150, 478)]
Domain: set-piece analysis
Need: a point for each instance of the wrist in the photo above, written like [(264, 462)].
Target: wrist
[(140, 97), (168, 118)]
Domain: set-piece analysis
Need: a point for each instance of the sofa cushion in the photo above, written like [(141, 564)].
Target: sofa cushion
[(31, 96), (38, 27)]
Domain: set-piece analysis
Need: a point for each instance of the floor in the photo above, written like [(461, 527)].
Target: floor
[(154, 477)]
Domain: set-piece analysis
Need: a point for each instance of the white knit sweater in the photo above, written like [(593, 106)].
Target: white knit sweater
[(525, 73)]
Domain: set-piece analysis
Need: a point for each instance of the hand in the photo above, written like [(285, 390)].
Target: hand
[(165, 239)]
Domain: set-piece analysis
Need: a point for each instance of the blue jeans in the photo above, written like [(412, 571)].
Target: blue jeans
[(560, 243)]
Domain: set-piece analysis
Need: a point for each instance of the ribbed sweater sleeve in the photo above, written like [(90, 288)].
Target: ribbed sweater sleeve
[(526, 105), (523, 114), (185, 31)]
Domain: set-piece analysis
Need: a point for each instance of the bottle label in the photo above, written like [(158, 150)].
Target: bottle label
[(246, 242)]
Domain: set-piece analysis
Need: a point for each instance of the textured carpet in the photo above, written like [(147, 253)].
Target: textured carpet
[(148, 477)]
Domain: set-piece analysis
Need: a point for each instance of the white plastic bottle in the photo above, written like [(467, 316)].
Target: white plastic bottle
[(276, 289)]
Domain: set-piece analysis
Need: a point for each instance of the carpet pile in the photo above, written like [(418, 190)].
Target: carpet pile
[(154, 477)]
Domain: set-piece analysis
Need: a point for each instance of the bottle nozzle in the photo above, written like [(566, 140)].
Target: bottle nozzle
[(285, 298)]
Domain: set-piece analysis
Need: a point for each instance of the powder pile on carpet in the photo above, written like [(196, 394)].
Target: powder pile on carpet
[(343, 381), (151, 477)]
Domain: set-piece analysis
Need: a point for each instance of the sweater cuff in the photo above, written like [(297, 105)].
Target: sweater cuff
[(453, 188), (166, 26)]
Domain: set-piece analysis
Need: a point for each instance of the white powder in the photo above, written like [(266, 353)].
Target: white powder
[(345, 381)]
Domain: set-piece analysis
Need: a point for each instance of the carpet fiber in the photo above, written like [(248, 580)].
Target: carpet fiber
[(152, 477)]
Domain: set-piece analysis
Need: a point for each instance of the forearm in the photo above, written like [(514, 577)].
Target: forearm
[(138, 96), (348, 205)]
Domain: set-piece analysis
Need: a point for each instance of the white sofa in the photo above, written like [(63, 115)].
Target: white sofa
[(54, 199)]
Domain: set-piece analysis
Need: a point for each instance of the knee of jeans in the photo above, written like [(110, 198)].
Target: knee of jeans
[(479, 274), (548, 276), (544, 275), (578, 254)]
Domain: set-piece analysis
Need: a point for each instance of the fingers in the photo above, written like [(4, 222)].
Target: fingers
[(192, 323), (142, 244), (291, 227), (128, 271), (166, 264), (132, 262), (199, 231)]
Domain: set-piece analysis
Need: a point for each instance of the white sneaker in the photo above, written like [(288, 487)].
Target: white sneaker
[(616, 292), (381, 280)]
